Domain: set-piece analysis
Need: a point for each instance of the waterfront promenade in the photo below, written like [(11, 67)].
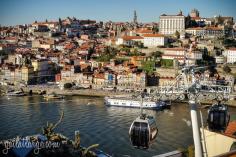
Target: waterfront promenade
[(36, 89)]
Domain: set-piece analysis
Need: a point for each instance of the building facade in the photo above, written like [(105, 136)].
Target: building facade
[(230, 55), (153, 40), (169, 24), (178, 54)]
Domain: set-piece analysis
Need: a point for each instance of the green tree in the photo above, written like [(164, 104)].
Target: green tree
[(60, 22), (155, 29), (3, 53), (177, 34), (148, 66), (167, 63), (227, 69), (68, 85), (157, 54)]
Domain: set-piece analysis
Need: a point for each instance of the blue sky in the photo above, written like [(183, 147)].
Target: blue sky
[(14, 12)]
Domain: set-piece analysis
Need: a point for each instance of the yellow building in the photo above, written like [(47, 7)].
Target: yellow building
[(41, 68), (27, 73)]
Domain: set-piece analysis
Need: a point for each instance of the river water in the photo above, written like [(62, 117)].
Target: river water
[(96, 122)]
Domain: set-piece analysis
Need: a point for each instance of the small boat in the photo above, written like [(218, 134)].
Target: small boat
[(15, 93), (53, 96), (148, 103)]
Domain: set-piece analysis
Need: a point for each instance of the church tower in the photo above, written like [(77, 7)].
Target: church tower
[(135, 20)]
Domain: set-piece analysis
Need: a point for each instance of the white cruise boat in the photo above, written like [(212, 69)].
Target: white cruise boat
[(135, 102), (15, 93)]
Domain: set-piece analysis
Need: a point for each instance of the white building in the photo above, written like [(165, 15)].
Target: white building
[(153, 40), (220, 59), (169, 24), (206, 32), (192, 57), (195, 55), (174, 53), (129, 40), (230, 55), (197, 31)]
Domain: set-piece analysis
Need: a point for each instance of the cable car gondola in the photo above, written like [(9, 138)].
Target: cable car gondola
[(143, 130), (218, 117)]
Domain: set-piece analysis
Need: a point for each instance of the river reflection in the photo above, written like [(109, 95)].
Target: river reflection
[(97, 123)]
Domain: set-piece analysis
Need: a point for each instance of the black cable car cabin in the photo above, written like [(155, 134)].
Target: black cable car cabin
[(143, 132), (218, 117)]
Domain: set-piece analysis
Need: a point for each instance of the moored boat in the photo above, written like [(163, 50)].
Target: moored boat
[(148, 103), (15, 93), (53, 96)]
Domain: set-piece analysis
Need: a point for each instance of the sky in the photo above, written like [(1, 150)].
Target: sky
[(13, 12)]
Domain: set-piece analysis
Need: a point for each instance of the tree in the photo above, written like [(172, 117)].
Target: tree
[(60, 22), (177, 34), (46, 20), (3, 53), (227, 69), (157, 54), (167, 62), (155, 29), (148, 66), (67, 85)]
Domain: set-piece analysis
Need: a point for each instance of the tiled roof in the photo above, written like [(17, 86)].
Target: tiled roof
[(195, 28), (175, 49), (231, 129), (195, 18), (99, 75), (153, 35), (131, 37), (213, 28), (232, 49), (144, 31)]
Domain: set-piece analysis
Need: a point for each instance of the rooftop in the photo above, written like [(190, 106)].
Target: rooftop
[(153, 35), (175, 49), (231, 129)]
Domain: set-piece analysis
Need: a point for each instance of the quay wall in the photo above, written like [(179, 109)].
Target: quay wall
[(98, 93)]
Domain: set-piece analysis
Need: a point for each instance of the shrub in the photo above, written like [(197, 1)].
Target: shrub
[(67, 85), (166, 62), (227, 69)]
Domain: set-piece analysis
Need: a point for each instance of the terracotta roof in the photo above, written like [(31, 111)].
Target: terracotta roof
[(153, 35), (172, 15), (175, 49), (232, 49), (131, 37), (44, 23), (195, 28), (144, 31), (99, 75), (213, 28), (195, 18), (174, 55), (10, 38), (231, 129)]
